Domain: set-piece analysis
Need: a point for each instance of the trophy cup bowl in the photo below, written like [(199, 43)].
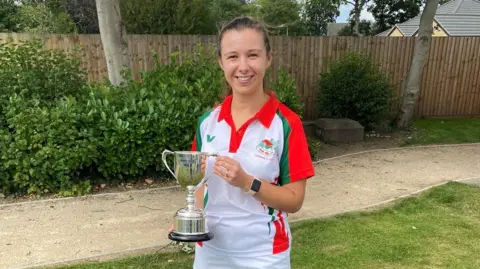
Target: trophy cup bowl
[(189, 223)]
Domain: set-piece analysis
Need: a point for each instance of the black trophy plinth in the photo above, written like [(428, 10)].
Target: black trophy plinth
[(190, 238)]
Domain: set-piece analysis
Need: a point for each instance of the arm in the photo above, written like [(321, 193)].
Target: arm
[(199, 197), (288, 198)]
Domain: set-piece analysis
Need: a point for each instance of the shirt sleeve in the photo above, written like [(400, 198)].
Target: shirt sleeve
[(197, 140), (194, 144), (295, 162)]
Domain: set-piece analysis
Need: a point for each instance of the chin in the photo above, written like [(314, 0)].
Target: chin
[(246, 90)]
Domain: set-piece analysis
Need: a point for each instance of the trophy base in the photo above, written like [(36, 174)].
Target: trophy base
[(190, 238)]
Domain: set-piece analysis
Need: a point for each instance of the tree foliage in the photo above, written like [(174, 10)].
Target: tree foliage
[(292, 17), (8, 16), (318, 13), (387, 13), (40, 19), (358, 6), (281, 16), (364, 29)]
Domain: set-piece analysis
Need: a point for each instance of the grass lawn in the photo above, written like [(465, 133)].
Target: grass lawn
[(435, 131), (439, 229)]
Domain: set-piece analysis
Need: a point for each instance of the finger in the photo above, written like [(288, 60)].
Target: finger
[(223, 159), (223, 164), (221, 172), (220, 169)]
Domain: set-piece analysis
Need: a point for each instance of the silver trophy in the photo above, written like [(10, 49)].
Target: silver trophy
[(189, 223)]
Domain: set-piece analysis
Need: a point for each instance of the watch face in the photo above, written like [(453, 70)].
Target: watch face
[(256, 185)]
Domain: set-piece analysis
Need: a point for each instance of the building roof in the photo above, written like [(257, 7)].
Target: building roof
[(456, 17)]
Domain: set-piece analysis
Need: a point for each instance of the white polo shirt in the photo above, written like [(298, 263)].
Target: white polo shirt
[(271, 146)]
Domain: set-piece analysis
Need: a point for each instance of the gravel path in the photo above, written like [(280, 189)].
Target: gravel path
[(109, 225)]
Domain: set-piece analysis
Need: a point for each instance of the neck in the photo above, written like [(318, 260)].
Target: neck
[(249, 103)]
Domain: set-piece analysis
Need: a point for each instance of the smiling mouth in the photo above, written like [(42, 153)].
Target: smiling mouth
[(244, 78)]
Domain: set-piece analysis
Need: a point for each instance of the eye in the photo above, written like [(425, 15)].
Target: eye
[(253, 55), (232, 57)]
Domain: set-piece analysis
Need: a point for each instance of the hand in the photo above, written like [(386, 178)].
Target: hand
[(171, 229), (230, 170)]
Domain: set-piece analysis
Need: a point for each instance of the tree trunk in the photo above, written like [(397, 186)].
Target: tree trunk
[(414, 77), (114, 39), (356, 17)]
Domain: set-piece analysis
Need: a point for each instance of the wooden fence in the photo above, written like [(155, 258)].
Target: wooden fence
[(450, 85)]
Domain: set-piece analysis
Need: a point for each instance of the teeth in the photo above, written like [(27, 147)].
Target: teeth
[(243, 78)]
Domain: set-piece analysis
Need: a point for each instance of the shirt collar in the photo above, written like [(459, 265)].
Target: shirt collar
[(265, 115)]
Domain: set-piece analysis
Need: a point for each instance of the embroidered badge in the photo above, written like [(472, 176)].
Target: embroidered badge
[(267, 148)]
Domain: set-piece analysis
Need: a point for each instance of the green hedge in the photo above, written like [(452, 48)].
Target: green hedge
[(32, 71), (356, 88), (94, 134)]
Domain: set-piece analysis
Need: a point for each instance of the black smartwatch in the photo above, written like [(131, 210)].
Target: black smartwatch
[(255, 187)]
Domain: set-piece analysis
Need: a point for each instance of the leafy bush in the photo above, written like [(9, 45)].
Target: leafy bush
[(286, 91), (158, 113), (30, 70), (44, 148), (355, 88), (313, 147), (109, 134)]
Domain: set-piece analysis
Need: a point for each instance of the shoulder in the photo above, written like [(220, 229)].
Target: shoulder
[(288, 116), (209, 114)]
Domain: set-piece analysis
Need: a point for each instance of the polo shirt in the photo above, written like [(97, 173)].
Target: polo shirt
[(272, 146)]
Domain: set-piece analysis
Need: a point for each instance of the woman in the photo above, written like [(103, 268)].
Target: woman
[(260, 175)]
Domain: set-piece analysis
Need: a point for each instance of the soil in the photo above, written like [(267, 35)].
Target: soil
[(118, 220)]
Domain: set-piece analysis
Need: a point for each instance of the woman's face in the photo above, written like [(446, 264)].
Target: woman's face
[(244, 60)]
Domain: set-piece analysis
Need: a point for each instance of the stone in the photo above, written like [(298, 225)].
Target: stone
[(339, 130), (310, 128)]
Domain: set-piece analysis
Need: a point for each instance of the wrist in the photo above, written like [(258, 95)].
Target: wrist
[(248, 183)]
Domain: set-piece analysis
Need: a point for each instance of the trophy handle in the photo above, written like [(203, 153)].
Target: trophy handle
[(205, 177), (164, 159)]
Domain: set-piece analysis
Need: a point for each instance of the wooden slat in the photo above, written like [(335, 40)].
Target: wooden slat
[(450, 84)]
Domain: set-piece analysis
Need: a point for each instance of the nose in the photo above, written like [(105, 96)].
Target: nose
[(243, 65)]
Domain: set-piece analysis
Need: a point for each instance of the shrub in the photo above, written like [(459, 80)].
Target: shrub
[(159, 112), (355, 88), (110, 134), (29, 70), (314, 148), (44, 148), (286, 91)]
